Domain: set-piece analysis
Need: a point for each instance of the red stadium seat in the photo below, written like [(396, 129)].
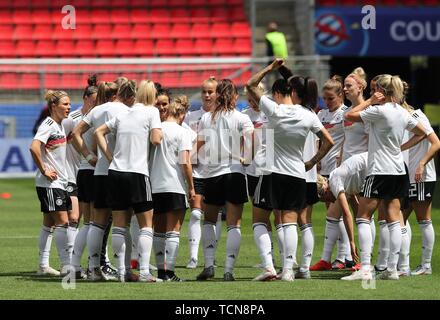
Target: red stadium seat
[(169, 79), (217, 2), (326, 3), (158, 3), (237, 13), (177, 3), (82, 31), (7, 49), (43, 31), (41, 17), (179, 14), (144, 48), (410, 2), (94, 3), (194, 3), (119, 16), (63, 34), (240, 29), (140, 16), (100, 16), (242, 46), (82, 17), (23, 31), (46, 48), (220, 13), (141, 31), (200, 30), (72, 81), (102, 31), (118, 3), (25, 48), (349, 2), (122, 31), (6, 32), (190, 79), (184, 47), (431, 2), (53, 81), (161, 31), (159, 15), (5, 17), (223, 46), (181, 30), (29, 81), (10, 80), (389, 2), (104, 48), (65, 48), (85, 48), (221, 30), (203, 47), (22, 17), (125, 48), (165, 47)]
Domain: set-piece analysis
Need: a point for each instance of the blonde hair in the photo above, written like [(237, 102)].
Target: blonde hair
[(183, 101), (359, 76), (320, 182), (146, 93), (178, 107), (106, 90), (210, 80), (334, 84), (127, 90), (405, 104), (53, 97), (392, 86)]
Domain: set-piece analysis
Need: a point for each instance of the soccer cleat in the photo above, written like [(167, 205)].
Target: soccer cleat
[(109, 271), (162, 274), (349, 264), (379, 270), (149, 278), (134, 264), (421, 270), (172, 277), (266, 275), (321, 265), (48, 271), (359, 275), (404, 273), (97, 274), (131, 277), (192, 263), (388, 275), (228, 276), (286, 275), (206, 274), (338, 265), (356, 267), (302, 274), (80, 274)]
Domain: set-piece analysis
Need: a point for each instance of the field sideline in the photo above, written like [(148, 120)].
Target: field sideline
[(20, 223)]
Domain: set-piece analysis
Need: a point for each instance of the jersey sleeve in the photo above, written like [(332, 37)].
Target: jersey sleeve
[(411, 123), (267, 105), (185, 141), (68, 125), (88, 118), (336, 181), (155, 122), (371, 114), (112, 124), (425, 122), (316, 124), (43, 132)]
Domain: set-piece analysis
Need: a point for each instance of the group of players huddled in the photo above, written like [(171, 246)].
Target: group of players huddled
[(133, 159)]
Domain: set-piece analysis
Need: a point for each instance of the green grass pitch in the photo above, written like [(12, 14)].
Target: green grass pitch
[(20, 223)]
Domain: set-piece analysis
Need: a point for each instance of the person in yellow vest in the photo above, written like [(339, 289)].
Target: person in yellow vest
[(276, 42)]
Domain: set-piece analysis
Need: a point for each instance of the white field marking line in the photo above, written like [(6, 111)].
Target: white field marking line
[(19, 237)]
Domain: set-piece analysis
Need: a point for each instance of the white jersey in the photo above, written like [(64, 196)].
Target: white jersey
[(53, 153), (349, 176), (132, 130), (387, 124), (309, 153), (192, 133), (290, 124), (166, 170), (259, 120), (192, 119), (417, 152), (97, 117), (355, 137), (334, 123), (73, 158), (222, 141)]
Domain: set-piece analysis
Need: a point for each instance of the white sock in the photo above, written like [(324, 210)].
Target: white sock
[(307, 244), (403, 263), (159, 249), (280, 239), (409, 230), (171, 249), (194, 233), (60, 235), (373, 232), (218, 228), (271, 246), (290, 245), (119, 248), (209, 243), (330, 238), (94, 243), (384, 246), (72, 231), (134, 232), (145, 243), (428, 239), (364, 233), (79, 245), (395, 244), (128, 249), (344, 252), (233, 242), (262, 240), (44, 245)]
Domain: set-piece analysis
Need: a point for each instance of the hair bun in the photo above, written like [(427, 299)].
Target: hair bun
[(92, 81)]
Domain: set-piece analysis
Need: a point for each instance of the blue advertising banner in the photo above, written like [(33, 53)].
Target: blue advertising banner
[(398, 32), (15, 158)]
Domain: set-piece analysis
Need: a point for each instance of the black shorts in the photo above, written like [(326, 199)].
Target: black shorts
[(281, 192), (421, 191), (85, 182), (169, 201), (252, 182), (101, 192), (72, 189), (53, 199), (129, 190), (229, 187), (386, 187), (199, 185), (312, 193)]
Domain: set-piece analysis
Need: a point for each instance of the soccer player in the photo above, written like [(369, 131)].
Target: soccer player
[(192, 119), (225, 182), (172, 186), (48, 150), (284, 188), (95, 118), (387, 178), (128, 174)]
